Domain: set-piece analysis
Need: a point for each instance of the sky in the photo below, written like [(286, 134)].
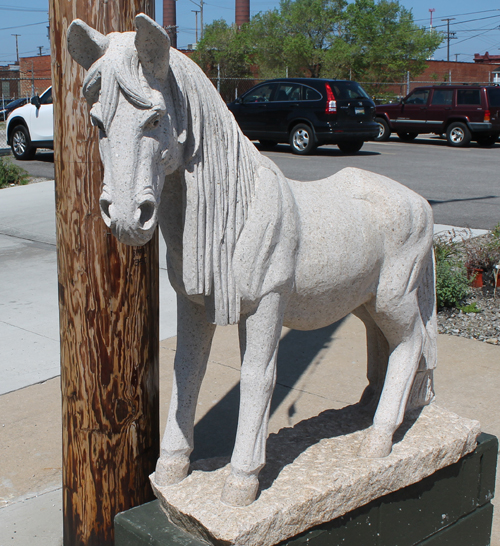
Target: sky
[(476, 24)]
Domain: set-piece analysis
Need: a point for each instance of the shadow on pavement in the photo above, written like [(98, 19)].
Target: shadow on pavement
[(215, 433)]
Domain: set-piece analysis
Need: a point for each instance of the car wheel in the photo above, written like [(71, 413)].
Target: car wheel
[(458, 134), (267, 144), (302, 139), (350, 146), (21, 143), (407, 137), (487, 140), (384, 132)]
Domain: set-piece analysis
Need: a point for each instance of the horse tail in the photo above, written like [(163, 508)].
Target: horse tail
[(422, 392)]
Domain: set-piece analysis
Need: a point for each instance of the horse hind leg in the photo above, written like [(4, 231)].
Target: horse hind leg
[(377, 350), (404, 330)]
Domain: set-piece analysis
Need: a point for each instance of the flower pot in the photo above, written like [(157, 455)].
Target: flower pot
[(476, 275)]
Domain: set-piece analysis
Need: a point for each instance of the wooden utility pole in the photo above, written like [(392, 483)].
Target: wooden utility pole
[(108, 300)]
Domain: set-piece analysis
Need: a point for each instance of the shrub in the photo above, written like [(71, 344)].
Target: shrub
[(452, 285), (11, 174)]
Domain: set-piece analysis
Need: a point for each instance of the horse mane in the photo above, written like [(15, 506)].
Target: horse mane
[(220, 165), (220, 172)]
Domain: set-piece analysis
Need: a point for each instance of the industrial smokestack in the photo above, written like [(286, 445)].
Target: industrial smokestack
[(242, 14), (170, 20)]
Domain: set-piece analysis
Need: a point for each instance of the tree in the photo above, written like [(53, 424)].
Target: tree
[(298, 36), (380, 42), (227, 48), (367, 40)]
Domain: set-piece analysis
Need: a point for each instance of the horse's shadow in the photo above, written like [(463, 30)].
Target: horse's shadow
[(289, 443), (216, 431)]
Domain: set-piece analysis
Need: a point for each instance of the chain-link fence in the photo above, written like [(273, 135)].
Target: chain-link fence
[(16, 92), (381, 92)]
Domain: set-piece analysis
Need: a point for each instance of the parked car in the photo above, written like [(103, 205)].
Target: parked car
[(12, 105), (306, 113), (31, 126), (461, 112)]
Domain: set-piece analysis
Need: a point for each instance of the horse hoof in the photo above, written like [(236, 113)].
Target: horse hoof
[(239, 490), (171, 471), (376, 445)]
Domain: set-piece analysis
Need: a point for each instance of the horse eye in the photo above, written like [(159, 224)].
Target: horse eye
[(156, 122)]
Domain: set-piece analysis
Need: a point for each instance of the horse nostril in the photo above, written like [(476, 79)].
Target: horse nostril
[(105, 204), (147, 212)]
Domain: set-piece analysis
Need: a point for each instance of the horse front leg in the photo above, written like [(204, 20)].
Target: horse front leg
[(259, 338), (194, 339)]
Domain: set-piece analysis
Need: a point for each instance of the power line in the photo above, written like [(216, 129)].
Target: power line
[(23, 26)]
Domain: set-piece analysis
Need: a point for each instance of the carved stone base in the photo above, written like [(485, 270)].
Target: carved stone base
[(309, 480)]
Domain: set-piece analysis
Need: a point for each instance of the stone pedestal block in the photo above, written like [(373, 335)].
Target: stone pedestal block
[(449, 508), (314, 475)]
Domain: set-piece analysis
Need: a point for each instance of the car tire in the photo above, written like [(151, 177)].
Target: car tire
[(267, 144), (384, 132), (407, 137), (350, 146), (458, 134), (487, 141), (302, 139), (21, 143)]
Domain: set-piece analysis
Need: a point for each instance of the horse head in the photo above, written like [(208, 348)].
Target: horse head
[(139, 138)]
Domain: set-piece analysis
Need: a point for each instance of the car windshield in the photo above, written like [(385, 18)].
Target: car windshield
[(494, 97), (348, 90)]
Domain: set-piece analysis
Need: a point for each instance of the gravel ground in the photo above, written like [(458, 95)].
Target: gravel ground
[(483, 326)]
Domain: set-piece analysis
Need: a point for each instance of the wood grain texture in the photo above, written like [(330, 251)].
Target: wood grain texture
[(108, 299)]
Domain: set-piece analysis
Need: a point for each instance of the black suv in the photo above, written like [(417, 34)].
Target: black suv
[(307, 112), (461, 112)]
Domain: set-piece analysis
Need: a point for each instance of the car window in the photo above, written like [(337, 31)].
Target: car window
[(494, 97), (260, 94), (469, 97), (348, 90), (288, 92), (46, 98), (308, 93), (442, 97), (418, 97)]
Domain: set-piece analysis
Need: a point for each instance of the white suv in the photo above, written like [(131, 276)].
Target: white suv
[(31, 126)]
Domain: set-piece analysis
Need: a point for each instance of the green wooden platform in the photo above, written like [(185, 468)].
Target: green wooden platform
[(450, 508)]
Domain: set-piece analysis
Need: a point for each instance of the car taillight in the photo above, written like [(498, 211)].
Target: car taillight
[(487, 115), (331, 102)]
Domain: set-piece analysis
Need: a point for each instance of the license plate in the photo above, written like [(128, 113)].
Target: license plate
[(358, 110)]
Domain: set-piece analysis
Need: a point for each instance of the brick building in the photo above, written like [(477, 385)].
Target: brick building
[(35, 74), (459, 72), (9, 78)]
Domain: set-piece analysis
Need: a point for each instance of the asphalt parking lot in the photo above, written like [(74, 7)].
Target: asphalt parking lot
[(462, 184)]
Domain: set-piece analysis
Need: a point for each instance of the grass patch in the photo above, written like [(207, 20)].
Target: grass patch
[(12, 175), (471, 308)]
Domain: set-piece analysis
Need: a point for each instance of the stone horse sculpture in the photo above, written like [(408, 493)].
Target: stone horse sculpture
[(247, 245)]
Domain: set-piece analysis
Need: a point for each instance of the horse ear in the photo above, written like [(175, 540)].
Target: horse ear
[(85, 44), (153, 46)]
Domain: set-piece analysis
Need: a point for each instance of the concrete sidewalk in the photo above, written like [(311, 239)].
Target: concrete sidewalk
[(316, 371)]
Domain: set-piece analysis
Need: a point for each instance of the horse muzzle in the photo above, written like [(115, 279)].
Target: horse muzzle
[(130, 225)]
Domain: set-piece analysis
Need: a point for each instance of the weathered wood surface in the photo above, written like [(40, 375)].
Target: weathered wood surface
[(108, 298)]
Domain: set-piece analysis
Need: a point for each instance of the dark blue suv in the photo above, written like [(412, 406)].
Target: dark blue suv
[(307, 112)]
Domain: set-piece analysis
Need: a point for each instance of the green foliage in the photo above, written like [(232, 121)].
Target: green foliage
[(471, 308), (366, 40), (224, 46), (11, 174), (452, 284)]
